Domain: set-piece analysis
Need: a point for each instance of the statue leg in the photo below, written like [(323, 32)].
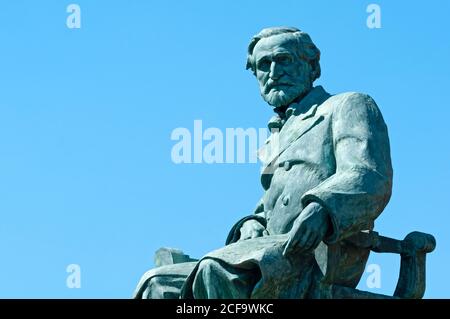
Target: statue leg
[(163, 282), (163, 287), (217, 280)]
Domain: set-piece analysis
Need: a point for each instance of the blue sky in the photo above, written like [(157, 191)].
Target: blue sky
[(86, 175)]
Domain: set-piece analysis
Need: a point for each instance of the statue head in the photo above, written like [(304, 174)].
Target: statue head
[(285, 62)]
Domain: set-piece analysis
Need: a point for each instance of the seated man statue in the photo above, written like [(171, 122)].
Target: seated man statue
[(326, 176)]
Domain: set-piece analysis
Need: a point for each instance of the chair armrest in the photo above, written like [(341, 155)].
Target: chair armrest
[(412, 249)]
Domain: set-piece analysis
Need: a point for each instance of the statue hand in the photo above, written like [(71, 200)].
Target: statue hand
[(252, 229), (308, 230)]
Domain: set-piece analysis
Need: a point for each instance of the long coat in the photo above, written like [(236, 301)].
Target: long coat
[(333, 150)]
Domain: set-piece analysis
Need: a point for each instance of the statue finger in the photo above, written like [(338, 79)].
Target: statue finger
[(258, 228), (293, 242), (256, 234), (245, 236), (260, 232), (309, 244), (304, 240), (287, 246)]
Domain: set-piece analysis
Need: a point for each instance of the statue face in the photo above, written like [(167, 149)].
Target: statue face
[(282, 75)]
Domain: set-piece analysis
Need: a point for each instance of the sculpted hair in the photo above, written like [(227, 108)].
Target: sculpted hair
[(307, 50)]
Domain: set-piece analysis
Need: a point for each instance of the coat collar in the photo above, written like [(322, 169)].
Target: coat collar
[(300, 118), (304, 109)]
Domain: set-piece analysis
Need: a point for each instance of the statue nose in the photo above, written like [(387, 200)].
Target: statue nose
[(275, 71)]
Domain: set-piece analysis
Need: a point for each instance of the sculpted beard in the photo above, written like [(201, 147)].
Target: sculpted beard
[(283, 96), (278, 98)]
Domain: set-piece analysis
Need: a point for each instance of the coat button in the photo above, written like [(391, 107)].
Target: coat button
[(286, 200), (287, 165)]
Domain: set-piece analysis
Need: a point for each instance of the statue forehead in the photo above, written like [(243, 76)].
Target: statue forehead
[(276, 42)]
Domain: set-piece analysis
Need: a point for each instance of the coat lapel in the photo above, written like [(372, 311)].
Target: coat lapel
[(295, 127), (279, 142)]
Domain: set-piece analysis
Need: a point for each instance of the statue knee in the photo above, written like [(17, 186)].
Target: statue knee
[(208, 267), (205, 279), (163, 287), (154, 289), (156, 281), (207, 271)]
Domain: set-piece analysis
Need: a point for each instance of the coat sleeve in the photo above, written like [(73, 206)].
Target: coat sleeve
[(361, 186)]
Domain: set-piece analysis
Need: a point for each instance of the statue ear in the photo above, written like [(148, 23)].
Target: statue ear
[(315, 72), (312, 54), (250, 49)]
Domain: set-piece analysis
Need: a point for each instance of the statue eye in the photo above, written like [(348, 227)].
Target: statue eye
[(264, 64), (284, 59)]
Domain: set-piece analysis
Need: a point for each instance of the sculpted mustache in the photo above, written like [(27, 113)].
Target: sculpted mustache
[(271, 84)]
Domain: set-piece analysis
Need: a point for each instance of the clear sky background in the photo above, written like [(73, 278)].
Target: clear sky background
[(86, 175)]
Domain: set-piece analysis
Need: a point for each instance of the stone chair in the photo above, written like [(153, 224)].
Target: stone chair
[(342, 273), (342, 265)]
